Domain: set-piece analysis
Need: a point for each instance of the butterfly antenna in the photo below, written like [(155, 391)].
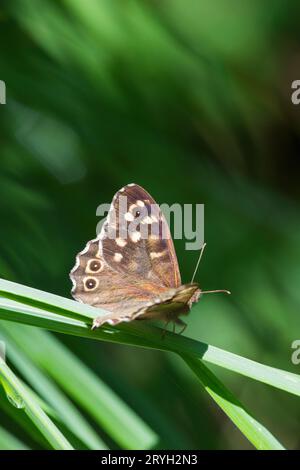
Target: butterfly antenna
[(198, 262), (215, 291)]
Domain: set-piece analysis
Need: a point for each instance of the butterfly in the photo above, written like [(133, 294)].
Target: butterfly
[(131, 269)]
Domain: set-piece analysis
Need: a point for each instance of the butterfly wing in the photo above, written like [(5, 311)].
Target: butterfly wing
[(125, 297), (129, 275), (135, 238), (98, 284)]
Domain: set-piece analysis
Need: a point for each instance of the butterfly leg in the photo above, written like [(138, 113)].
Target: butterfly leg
[(180, 322), (163, 334)]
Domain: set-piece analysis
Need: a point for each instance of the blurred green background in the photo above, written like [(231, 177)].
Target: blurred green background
[(192, 101)]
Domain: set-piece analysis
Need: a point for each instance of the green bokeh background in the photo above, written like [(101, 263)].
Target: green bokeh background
[(191, 100)]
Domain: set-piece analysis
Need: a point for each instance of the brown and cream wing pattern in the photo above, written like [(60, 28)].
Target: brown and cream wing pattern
[(131, 275), (147, 249)]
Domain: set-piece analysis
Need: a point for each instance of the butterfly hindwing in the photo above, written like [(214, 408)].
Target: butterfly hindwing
[(126, 298), (98, 284)]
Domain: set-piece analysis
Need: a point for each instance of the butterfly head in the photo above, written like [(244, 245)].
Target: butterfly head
[(195, 297)]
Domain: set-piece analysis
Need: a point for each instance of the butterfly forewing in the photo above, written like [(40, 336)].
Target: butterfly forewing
[(136, 239)]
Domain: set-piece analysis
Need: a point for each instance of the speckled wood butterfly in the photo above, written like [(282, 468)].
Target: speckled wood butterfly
[(131, 268)]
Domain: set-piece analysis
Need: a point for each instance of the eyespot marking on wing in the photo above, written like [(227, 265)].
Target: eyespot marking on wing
[(90, 283), (94, 266)]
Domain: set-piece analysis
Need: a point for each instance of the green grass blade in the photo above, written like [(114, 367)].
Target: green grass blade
[(105, 407), (10, 442), (133, 334), (13, 386), (47, 389), (254, 431), (43, 405), (20, 420), (50, 302)]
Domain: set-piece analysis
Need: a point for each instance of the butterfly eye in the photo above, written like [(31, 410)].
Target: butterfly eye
[(90, 283)]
